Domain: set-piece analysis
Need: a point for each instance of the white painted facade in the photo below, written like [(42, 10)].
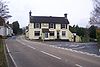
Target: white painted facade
[(49, 28), (31, 32), (9, 30), (68, 35), (6, 31), (3, 31)]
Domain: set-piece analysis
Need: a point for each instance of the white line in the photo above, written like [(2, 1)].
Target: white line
[(27, 45), (78, 65), (50, 55), (72, 50), (11, 56), (31, 47), (69, 49)]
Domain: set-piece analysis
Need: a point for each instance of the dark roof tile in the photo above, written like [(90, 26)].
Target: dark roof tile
[(48, 19)]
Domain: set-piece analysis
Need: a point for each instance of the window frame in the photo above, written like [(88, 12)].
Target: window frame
[(63, 33), (36, 33), (51, 33), (51, 25), (37, 25), (63, 26)]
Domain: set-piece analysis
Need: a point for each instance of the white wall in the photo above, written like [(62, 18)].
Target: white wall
[(68, 35), (3, 31), (31, 36), (9, 31)]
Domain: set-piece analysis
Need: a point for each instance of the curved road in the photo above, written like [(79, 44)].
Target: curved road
[(36, 54)]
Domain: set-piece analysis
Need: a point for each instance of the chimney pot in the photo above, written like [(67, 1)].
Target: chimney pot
[(65, 15), (30, 13)]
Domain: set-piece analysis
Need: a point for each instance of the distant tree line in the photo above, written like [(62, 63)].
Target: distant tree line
[(86, 34), (16, 28), (95, 17)]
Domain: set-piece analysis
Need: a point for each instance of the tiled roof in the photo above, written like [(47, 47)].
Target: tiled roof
[(48, 19)]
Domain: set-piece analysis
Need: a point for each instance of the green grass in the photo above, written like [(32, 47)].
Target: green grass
[(2, 55)]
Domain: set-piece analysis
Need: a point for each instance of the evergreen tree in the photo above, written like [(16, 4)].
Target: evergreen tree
[(92, 32), (16, 27)]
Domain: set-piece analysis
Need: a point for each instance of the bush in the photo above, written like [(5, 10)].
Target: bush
[(98, 35), (0, 36)]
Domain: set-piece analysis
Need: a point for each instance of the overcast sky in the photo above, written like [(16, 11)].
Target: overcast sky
[(78, 10)]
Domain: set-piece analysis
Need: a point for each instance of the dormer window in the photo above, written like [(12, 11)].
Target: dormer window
[(63, 26), (51, 25), (36, 25)]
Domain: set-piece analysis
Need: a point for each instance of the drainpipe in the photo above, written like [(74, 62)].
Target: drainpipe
[(43, 37)]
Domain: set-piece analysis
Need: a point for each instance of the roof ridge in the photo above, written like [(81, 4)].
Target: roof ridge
[(48, 16)]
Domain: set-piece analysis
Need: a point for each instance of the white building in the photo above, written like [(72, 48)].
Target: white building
[(5, 29), (49, 28), (2, 27), (9, 30)]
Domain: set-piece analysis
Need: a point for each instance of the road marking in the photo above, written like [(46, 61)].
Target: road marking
[(72, 50), (27, 45), (69, 49), (31, 47), (78, 65), (11, 56), (50, 55)]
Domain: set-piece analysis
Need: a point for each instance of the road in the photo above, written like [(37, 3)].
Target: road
[(27, 53), (90, 47)]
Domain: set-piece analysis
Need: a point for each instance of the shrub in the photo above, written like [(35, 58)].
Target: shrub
[(0, 36), (98, 35)]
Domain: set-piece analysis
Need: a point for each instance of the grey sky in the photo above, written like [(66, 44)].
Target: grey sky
[(78, 10)]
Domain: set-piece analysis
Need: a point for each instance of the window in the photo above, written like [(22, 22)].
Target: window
[(63, 33), (37, 25), (63, 26), (51, 33), (37, 33), (51, 25)]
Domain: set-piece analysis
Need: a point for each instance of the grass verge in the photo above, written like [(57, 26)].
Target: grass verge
[(3, 62)]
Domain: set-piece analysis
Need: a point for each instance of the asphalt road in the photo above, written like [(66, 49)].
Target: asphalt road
[(90, 47), (36, 54)]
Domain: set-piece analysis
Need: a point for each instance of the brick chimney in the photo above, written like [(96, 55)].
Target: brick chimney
[(30, 13), (65, 15)]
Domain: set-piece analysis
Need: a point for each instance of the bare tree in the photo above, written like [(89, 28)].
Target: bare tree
[(4, 10), (95, 14)]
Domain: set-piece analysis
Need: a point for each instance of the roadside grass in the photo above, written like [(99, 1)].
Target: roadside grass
[(3, 62)]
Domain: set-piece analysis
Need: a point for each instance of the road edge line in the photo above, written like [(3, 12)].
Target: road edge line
[(11, 56), (78, 65), (5, 51), (72, 50)]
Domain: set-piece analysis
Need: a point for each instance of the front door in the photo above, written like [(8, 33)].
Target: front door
[(74, 38), (46, 35), (57, 34)]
